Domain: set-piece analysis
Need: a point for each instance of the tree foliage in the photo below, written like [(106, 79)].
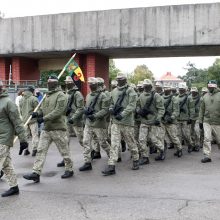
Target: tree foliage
[(113, 70)]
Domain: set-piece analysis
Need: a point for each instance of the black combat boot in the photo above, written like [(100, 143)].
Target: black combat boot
[(12, 191), (61, 164), (135, 165), (123, 146), (206, 160), (26, 152), (85, 167), (171, 146), (1, 174), (144, 160), (119, 160), (161, 156), (110, 170), (178, 153), (97, 155), (34, 152), (190, 148), (67, 174), (32, 176), (196, 148)]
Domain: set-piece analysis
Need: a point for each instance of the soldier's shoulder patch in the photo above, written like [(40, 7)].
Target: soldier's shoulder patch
[(61, 103)]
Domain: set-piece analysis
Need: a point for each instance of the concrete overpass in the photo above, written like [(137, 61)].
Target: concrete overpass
[(31, 43)]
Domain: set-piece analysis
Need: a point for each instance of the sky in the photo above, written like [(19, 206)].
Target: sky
[(159, 66)]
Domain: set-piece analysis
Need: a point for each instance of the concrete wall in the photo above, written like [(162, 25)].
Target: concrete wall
[(168, 26)]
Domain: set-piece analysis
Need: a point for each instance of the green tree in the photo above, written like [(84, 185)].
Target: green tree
[(113, 70), (140, 73), (214, 71)]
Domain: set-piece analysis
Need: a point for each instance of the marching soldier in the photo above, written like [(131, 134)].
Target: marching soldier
[(184, 120), (11, 124), (123, 104), (171, 105), (27, 105), (74, 113), (52, 113), (96, 110), (151, 109), (209, 118)]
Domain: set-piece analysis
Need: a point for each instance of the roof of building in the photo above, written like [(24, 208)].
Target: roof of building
[(169, 77)]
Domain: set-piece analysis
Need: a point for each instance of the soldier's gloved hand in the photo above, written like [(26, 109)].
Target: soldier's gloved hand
[(68, 111), (23, 146), (111, 111), (40, 120), (189, 122), (34, 114), (140, 112), (169, 120), (157, 122), (70, 121), (91, 117), (118, 117), (201, 126)]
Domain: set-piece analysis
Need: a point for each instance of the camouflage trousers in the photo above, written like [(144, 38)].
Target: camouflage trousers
[(171, 135), (195, 133), (79, 134), (32, 129), (88, 135), (71, 130), (208, 131), (151, 132), (117, 132), (6, 165), (60, 139), (136, 133), (184, 132)]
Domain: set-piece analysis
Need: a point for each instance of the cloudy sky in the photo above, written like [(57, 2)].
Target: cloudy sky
[(159, 66)]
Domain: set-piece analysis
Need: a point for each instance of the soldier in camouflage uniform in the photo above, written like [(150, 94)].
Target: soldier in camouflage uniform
[(185, 117), (27, 105), (209, 118), (123, 104), (171, 104), (96, 110), (11, 124), (195, 131), (74, 113), (52, 113), (151, 109)]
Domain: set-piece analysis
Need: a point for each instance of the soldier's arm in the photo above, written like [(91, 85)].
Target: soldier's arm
[(159, 104), (132, 102), (34, 102), (191, 107), (201, 110), (104, 107), (79, 106), (59, 110), (176, 107), (15, 119), (138, 107)]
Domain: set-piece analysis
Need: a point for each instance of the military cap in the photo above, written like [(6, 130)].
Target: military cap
[(159, 84), (52, 78), (68, 79), (31, 89), (147, 82), (204, 89), (167, 87), (100, 80), (121, 76), (194, 89), (114, 83), (212, 83), (140, 84), (92, 80), (132, 85), (182, 86)]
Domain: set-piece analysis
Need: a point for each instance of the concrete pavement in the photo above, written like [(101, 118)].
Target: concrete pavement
[(177, 188)]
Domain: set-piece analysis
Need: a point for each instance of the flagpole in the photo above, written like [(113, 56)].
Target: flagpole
[(38, 106)]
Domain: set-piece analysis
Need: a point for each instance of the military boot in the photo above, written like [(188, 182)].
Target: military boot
[(123, 146), (196, 148), (144, 160), (135, 165), (178, 153), (110, 170), (34, 152), (12, 191), (161, 156), (190, 148), (97, 155), (206, 160), (61, 164), (67, 174), (32, 176), (85, 167), (26, 152), (1, 174), (119, 160)]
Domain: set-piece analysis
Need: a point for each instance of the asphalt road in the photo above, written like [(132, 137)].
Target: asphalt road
[(177, 188)]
